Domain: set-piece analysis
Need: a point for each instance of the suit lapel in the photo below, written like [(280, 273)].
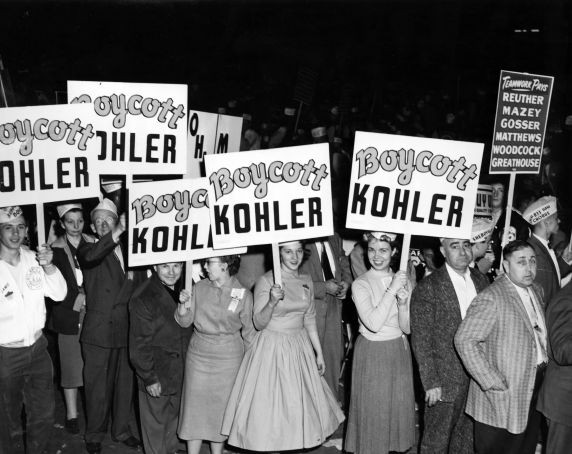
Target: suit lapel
[(514, 299), (546, 254), (448, 294)]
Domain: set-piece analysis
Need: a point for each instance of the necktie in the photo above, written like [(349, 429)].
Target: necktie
[(538, 329), (326, 268)]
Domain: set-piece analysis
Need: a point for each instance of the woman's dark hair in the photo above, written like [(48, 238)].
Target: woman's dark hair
[(59, 230), (233, 262), (395, 246)]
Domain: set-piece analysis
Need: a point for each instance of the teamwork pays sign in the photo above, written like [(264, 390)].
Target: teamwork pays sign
[(270, 196), (139, 128), (169, 222), (47, 153), (210, 133), (413, 185), (520, 122)]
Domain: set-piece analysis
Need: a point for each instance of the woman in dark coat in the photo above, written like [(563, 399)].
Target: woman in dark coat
[(67, 317)]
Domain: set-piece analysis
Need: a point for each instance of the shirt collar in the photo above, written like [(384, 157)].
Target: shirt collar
[(454, 275)]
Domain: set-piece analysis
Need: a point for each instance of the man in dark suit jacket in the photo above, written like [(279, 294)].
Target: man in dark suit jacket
[(108, 377), (550, 269), (157, 347), (438, 305), (555, 397), (329, 293)]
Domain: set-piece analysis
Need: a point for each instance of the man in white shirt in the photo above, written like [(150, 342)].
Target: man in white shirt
[(438, 304), (550, 269), (502, 342), (25, 365)]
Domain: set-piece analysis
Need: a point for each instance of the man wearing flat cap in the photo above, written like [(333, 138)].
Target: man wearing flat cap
[(438, 305), (25, 365), (542, 215), (108, 378)]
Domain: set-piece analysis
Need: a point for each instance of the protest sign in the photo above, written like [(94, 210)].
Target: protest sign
[(210, 133), (484, 203), (139, 128), (270, 196), (169, 222), (413, 185), (47, 153), (520, 122)]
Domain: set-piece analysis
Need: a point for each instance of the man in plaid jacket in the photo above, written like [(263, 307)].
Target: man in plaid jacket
[(502, 343)]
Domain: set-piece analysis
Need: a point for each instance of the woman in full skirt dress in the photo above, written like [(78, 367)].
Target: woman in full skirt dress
[(279, 400)]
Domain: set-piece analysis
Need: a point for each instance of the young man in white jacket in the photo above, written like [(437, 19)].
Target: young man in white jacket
[(26, 277)]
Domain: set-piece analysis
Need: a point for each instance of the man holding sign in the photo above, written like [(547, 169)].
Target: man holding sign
[(108, 378), (25, 365)]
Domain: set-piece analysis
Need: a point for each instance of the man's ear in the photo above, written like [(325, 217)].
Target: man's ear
[(504, 266), (93, 228)]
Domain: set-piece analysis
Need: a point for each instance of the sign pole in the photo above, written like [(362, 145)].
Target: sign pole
[(405, 252), (40, 223), (297, 118), (276, 264), (508, 212)]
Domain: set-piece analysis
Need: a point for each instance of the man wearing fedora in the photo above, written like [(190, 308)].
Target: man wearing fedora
[(26, 378), (108, 377)]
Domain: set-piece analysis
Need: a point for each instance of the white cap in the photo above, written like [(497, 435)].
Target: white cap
[(222, 110), (318, 132), (540, 209), (337, 140), (247, 117), (64, 208), (289, 111), (111, 186), (10, 214), (105, 205), (379, 235), (482, 228)]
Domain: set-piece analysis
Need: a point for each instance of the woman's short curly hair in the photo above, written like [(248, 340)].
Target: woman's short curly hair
[(233, 262)]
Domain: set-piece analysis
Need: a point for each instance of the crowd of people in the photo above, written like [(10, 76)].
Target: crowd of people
[(237, 358)]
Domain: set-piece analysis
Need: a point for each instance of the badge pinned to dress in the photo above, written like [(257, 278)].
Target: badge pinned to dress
[(236, 294)]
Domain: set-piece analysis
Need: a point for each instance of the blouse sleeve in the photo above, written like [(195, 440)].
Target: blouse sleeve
[(310, 314), (248, 331), (186, 320), (261, 295), (372, 317)]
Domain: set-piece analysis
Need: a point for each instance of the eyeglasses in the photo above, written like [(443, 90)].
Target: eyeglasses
[(210, 262)]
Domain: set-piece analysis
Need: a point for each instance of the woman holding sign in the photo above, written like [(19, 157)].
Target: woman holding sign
[(221, 310), (382, 407), (279, 401)]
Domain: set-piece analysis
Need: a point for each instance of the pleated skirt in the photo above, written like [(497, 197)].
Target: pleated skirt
[(279, 401), (382, 404), (210, 370)]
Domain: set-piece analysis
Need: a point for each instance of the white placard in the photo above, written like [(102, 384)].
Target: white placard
[(210, 133), (47, 154), (270, 196), (413, 185), (169, 222), (140, 128)]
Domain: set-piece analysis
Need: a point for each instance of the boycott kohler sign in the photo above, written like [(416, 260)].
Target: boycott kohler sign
[(139, 128), (47, 153), (413, 185), (169, 222), (270, 196), (520, 123)]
